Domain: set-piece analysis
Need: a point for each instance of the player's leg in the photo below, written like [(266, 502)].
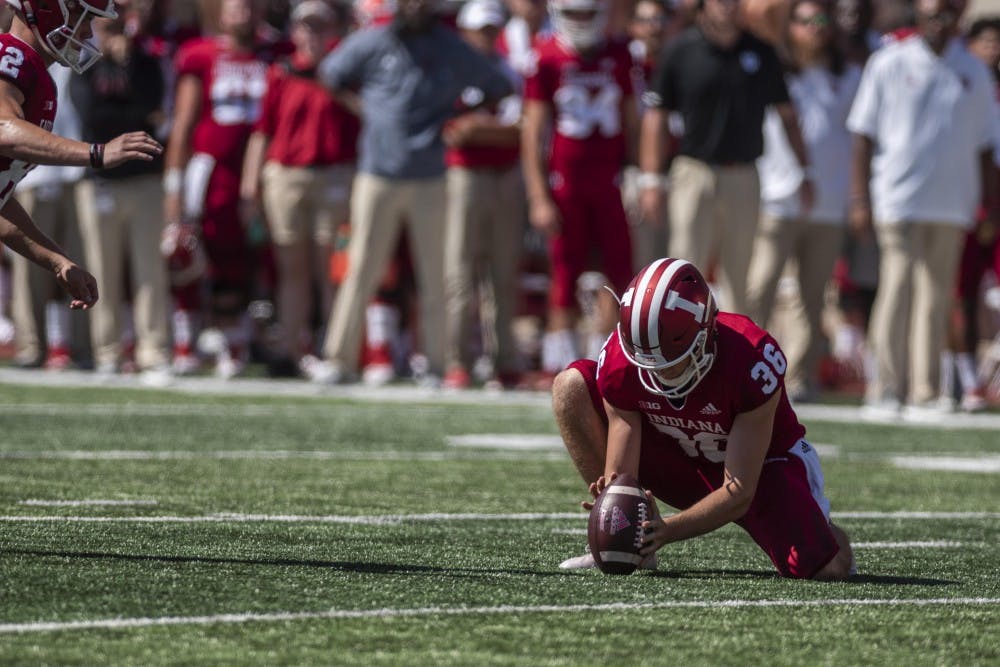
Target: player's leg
[(580, 416), (790, 519)]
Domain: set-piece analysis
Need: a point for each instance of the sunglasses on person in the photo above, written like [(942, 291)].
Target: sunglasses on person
[(816, 20)]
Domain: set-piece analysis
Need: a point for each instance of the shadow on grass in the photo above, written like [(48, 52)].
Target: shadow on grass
[(344, 566), (876, 579)]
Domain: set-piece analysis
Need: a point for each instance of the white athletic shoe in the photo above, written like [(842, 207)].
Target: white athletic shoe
[(586, 561)]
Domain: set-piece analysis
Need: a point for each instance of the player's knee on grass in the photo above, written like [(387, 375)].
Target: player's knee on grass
[(842, 565)]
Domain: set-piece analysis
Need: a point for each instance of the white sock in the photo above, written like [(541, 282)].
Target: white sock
[(967, 376), (183, 325), (382, 322), (128, 325), (56, 325), (558, 350), (947, 382)]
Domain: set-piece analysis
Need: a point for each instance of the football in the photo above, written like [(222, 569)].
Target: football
[(615, 527)]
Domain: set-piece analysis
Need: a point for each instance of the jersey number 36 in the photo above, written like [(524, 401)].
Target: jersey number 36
[(767, 371)]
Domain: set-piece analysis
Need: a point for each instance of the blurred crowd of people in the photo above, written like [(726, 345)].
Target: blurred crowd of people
[(443, 190)]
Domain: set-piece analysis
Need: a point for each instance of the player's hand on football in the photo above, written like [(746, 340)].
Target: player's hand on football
[(657, 533), (597, 488), (545, 217), (82, 286), (130, 146)]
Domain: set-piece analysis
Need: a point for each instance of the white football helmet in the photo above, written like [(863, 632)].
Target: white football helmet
[(667, 317), (61, 27), (579, 24)]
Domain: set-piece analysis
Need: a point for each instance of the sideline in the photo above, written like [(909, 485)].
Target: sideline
[(408, 393), (280, 617)]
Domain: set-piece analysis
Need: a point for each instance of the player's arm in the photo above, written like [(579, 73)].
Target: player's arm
[(652, 157), (860, 209), (25, 141), (748, 443), (187, 108), (253, 164), (21, 235), (624, 443), (535, 120), (790, 123)]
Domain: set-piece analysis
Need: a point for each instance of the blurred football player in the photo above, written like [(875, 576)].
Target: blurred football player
[(221, 80), (691, 401), (581, 95), (43, 32)]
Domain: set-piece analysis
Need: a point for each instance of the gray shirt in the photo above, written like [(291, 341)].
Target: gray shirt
[(409, 85)]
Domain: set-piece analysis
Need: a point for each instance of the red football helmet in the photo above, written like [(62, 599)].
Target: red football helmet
[(667, 318), (61, 27), (186, 259)]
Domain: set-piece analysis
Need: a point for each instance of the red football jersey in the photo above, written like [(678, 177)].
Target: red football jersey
[(21, 66), (749, 367), (232, 85), (306, 124), (587, 97)]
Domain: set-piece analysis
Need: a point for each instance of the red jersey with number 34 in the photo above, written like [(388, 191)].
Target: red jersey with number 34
[(749, 368), (22, 67), (587, 96)]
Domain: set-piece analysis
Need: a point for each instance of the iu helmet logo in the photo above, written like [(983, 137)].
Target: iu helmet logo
[(666, 326)]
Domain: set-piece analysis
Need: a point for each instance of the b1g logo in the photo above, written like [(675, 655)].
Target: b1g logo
[(768, 372)]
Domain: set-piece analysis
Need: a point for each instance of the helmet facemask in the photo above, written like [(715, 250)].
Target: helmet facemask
[(65, 43), (666, 327)]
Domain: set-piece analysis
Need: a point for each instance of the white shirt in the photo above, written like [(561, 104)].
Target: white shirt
[(929, 117), (822, 101)]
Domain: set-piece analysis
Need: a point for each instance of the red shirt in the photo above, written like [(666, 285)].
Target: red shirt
[(749, 367), (508, 110), (587, 96), (232, 84), (307, 126), (21, 66)]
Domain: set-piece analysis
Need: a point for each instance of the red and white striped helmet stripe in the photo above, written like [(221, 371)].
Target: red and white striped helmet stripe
[(660, 274)]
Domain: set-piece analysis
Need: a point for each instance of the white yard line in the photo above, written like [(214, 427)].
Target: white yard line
[(376, 519), (360, 455), (981, 464), (926, 544), (35, 502), (333, 614)]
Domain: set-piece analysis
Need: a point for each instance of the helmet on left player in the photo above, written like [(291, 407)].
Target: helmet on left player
[(579, 24), (62, 27)]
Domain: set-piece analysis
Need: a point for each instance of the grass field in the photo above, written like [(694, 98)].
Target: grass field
[(141, 527)]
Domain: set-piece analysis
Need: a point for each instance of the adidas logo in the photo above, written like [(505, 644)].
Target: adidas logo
[(710, 409)]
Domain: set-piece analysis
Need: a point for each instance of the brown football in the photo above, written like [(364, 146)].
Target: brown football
[(615, 528)]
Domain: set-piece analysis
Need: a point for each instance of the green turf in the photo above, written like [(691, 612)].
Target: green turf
[(211, 457)]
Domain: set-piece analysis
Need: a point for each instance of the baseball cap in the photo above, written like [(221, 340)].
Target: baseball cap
[(478, 14), (312, 9)]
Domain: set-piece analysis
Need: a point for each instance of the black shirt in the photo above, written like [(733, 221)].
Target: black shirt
[(720, 93), (113, 99)]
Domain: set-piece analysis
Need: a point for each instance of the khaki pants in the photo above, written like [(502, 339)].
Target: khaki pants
[(713, 218), (379, 207), (305, 203), (814, 247), (53, 210), (122, 221), (485, 224), (304, 206), (910, 316)]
